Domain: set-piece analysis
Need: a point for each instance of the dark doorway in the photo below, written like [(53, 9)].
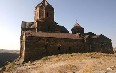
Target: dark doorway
[(69, 48), (59, 48)]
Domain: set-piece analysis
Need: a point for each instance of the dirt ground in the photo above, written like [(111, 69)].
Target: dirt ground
[(70, 63)]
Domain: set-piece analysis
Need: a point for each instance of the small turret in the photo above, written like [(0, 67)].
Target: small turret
[(77, 29)]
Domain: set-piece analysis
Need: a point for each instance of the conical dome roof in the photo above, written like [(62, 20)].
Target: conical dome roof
[(77, 29), (77, 25)]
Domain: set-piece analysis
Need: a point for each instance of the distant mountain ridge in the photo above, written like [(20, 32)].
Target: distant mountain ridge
[(8, 55), (8, 51)]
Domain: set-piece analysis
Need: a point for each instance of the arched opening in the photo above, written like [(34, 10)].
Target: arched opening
[(47, 14), (59, 48), (69, 48)]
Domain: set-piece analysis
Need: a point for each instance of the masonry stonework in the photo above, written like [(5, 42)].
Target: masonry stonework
[(44, 37)]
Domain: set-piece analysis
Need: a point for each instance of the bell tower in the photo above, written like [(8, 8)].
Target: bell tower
[(44, 19), (44, 11)]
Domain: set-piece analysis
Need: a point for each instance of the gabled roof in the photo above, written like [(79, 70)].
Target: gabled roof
[(43, 3)]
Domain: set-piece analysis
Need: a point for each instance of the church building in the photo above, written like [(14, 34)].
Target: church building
[(44, 37)]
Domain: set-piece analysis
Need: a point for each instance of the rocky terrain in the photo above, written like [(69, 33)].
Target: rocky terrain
[(67, 63), (8, 55)]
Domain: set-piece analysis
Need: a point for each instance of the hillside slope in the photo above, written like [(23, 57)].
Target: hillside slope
[(8, 55), (69, 63)]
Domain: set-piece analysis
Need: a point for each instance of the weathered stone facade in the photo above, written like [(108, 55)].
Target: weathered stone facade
[(45, 37)]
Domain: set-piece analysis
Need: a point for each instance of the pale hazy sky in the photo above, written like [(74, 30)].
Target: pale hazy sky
[(98, 16)]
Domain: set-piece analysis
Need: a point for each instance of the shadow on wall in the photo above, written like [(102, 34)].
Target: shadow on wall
[(4, 57)]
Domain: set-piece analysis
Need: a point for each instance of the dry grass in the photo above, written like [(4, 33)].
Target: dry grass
[(71, 63)]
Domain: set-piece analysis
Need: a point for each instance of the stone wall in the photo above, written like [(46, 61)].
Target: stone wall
[(102, 44), (37, 47)]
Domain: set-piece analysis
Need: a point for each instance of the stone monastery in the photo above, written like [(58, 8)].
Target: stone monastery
[(44, 37)]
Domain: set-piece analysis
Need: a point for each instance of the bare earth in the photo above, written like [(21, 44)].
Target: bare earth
[(70, 63)]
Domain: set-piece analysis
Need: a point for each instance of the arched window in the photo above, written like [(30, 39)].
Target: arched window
[(59, 48), (69, 48), (47, 14)]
